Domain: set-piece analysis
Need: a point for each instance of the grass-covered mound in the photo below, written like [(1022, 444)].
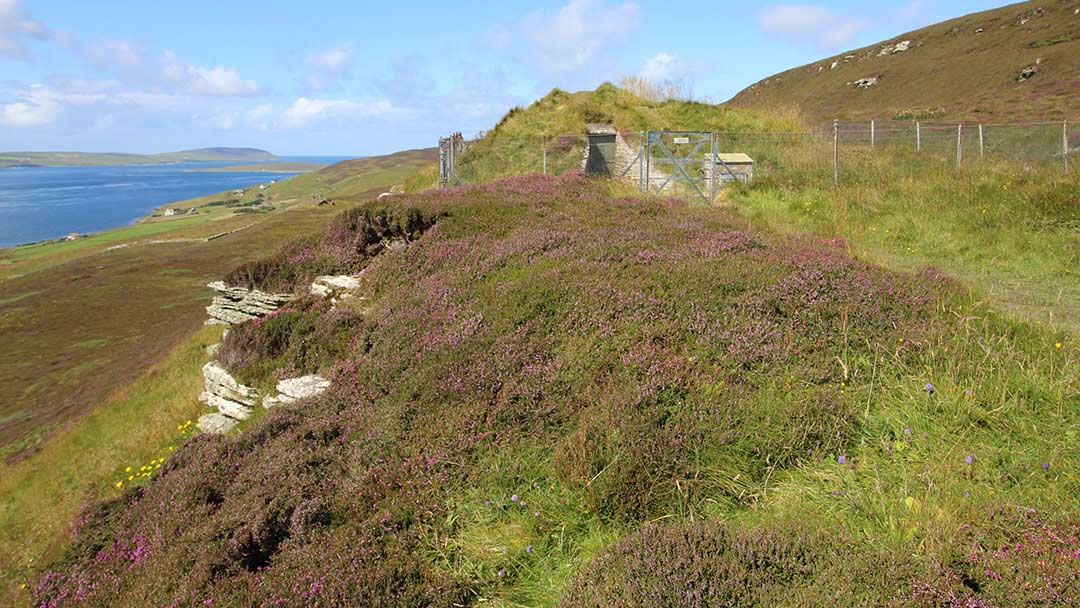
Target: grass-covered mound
[(549, 368), (557, 122)]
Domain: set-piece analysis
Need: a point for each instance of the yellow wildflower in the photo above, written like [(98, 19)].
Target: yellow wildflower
[(1058, 345), (130, 477), (127, 470), (119, 484)]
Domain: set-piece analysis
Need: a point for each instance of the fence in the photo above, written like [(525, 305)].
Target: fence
[(677, 163)]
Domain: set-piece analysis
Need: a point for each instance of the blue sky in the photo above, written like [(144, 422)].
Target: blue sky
[(362, 78)]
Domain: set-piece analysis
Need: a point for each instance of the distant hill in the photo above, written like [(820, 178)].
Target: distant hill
[(1019, 62), (61, 159)]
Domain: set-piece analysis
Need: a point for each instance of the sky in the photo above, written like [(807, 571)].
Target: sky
[(363, 78)]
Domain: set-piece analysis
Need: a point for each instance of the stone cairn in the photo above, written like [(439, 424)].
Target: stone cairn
[(234, 401)]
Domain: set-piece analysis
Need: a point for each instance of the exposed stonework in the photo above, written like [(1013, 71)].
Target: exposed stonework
[(326, 286), (294, 389), (892, 49), (215, 424), (865, 83), (232, 400), (239, 304)]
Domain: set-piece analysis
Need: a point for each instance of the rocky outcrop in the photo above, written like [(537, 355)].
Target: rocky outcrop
[(294, 389), (866, 83), (892, 49), (334, 286), (232, 400), (239, 304)]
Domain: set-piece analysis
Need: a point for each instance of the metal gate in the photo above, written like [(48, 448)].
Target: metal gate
[(676, 157), (450, 148)]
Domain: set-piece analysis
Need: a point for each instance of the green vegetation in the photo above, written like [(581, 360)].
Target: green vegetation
[(94, 458), (968, 66), (291, 167), (531, 383)]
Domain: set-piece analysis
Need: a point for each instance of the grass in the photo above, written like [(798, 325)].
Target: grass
[(968, 66), (1007, 229), (556, 392), (41, 495)]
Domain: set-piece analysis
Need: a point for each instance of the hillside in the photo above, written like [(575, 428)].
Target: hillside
[(1016, 63), (558, 121), (548, 395), (64, 159)]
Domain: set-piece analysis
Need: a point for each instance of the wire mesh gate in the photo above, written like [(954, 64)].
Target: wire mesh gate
[(680, 158)]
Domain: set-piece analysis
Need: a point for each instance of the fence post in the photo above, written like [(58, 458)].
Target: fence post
[(648, 163), (712, 170), (871, 133), (959, 145), (641, 163), (918, 136), (1065, 144), (836, 152), (543, 142)]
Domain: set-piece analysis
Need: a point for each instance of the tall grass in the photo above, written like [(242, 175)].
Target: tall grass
[(41, 495)]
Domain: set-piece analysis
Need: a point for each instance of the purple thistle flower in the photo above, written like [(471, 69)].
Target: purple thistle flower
[(842, 459), (929, 388), (970, 458)]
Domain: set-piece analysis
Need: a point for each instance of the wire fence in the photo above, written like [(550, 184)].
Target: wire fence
[(677, 163)]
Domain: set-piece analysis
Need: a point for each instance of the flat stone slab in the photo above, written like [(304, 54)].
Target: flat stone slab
[(219, 382), (294, 389), (325, 285), (239, 304), (215, 424)]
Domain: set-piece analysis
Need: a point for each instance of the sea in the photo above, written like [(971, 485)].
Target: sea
[(42, 203)]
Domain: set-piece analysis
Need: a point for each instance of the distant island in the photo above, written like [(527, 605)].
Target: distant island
[(72, 159), (283, 167)]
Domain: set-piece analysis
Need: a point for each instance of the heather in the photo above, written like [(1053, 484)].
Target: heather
[(556, 394)]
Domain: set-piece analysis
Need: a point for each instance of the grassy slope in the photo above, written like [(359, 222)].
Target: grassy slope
[(971, 75), (551, 368), (136, 425), (65, 350), (514, 146)]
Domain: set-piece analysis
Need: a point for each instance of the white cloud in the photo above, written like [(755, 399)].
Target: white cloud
[(37, 107), (305, 110), (810, 22), (574, 36), (663, 66), (109, 52), (335, 60), (16, 24), (196, 80)]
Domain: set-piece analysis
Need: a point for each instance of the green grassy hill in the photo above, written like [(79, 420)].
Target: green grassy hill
[(558, 120), (968, 68), (62, 159)]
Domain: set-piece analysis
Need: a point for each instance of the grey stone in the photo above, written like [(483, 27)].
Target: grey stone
[(327, 285), (219, 382), (294, 389), (239, 304), (215, 424)]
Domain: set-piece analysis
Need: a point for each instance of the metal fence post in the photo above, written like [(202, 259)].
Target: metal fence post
[(836, 152), (918, 136), (871, 133), (641, 162), (1065, 144), (543, 140), (712, 171), (648, 160), (959, 145), (980, 140)]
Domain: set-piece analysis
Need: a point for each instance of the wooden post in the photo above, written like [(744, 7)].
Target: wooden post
[(872, 133), (836, 152), (980, 141), (918, 136), (543, 142), (1065, 144), (959, 145)]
